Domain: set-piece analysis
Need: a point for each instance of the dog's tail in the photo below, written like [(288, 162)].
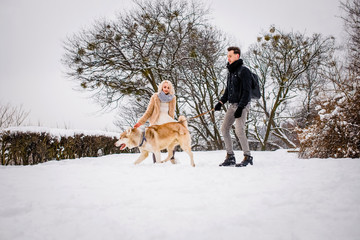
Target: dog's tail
[(183, 121)]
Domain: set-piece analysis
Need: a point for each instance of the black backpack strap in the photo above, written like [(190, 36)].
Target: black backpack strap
[(240, 70)]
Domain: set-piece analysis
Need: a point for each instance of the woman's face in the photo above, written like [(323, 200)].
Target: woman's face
[(166, 88)]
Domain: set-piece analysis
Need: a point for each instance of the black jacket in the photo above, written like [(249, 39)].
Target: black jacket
[(237, 87)]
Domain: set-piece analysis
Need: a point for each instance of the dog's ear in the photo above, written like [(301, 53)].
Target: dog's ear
[(128, 131)]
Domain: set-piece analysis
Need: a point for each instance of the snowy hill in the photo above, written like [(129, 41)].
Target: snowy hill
[(280, 197)]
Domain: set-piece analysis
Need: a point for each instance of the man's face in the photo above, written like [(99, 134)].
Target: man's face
[(232, 57)]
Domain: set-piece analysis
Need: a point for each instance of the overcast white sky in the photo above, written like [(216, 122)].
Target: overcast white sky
[(32, 33)]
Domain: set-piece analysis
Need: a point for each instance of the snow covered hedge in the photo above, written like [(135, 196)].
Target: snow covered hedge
[(336, 130), (33, 145)]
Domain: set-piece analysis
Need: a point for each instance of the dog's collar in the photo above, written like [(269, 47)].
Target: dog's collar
[(143, 139)]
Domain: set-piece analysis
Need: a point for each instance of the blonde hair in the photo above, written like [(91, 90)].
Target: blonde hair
[(160, 87)]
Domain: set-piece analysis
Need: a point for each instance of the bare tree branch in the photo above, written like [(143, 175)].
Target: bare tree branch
[(12, 116)]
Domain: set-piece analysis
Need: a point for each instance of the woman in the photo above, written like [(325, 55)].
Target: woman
[(161, 108)]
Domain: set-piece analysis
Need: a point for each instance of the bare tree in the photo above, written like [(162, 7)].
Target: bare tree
[(282, 61), (335, 131), (204, 81), (200, 80), (123, 62), (132, 55), (352, 27), (12, 116)]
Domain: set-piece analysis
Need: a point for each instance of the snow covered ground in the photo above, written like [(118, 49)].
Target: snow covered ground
[(280, 197)]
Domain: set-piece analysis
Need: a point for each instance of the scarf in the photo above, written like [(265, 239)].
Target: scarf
[(235, 65), (165, 97)]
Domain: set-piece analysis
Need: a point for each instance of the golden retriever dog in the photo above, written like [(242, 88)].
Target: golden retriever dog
[(156, 138)]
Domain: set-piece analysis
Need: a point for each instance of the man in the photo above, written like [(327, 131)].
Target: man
[(237, 92)]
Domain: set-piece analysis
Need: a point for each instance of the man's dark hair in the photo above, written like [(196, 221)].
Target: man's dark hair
[(235, 49)]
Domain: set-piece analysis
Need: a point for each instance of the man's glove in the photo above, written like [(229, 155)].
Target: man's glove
[(218, 106), (238, 112), (137, 125)]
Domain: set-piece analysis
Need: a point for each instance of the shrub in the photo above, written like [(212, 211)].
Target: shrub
[(335, 132), (31, 145)]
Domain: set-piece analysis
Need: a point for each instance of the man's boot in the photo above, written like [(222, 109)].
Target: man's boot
[(247, 159), (229, 161)]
